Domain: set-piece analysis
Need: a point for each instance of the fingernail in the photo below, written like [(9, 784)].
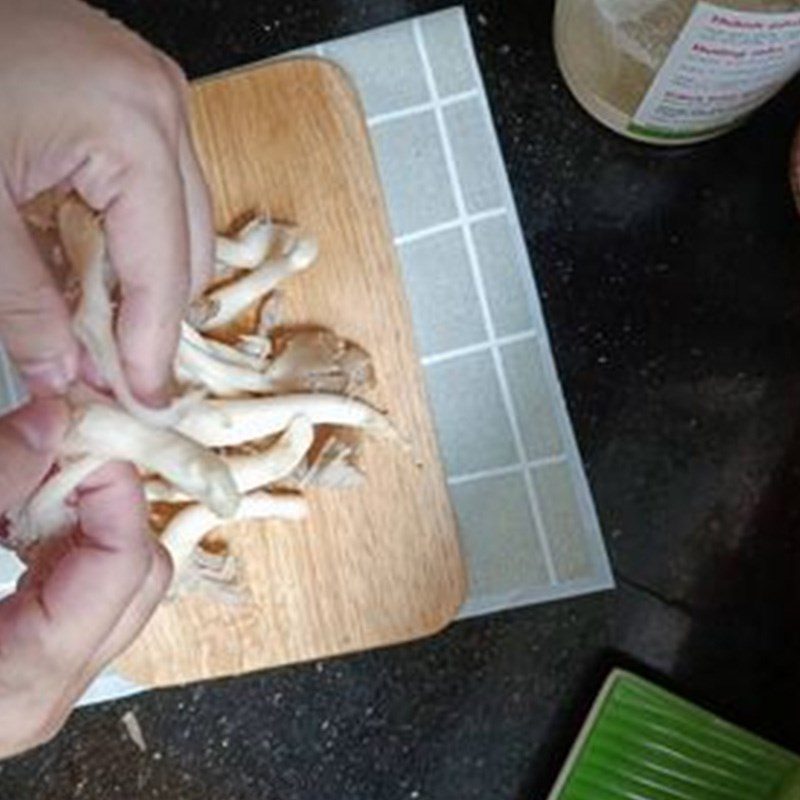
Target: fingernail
[(151, 393), (156, 398), (41, 423), (48, 377)]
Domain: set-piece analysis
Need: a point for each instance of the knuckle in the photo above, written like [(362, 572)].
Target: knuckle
[(52, 658), (163, 97), (147, 89), (24, 306), (104, 174), (162, 93), (175, 73)]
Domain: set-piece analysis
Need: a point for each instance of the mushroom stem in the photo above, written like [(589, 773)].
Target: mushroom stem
[(110, 432), (46, 514), (157, 490), (258, 470), (254, 471), (221, 378), (229, 300), (224, 423), (188, 527), (233, 355), (206, 368), (248, 248)]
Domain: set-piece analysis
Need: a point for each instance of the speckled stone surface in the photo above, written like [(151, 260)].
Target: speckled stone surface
[(671, 284)]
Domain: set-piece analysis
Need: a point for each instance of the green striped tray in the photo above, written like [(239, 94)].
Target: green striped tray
[(643, 743)]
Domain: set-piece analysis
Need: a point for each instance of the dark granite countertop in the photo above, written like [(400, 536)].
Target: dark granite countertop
[(671, 284)]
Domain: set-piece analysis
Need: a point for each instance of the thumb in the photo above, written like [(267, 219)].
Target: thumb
[(28, 441)]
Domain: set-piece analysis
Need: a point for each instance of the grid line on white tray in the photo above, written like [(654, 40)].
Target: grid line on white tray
[(601, 576), (469, 349), (484, 303), (409, 111), (451, 224), (511, 469)]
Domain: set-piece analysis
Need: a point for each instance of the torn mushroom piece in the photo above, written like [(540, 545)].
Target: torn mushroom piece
[(333, 463), (186, 529), (248, 248), (319, 361), (308, 361), (222, 378), (214, 573)]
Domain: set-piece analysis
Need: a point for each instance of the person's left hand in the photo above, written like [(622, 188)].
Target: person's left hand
[(84, 598)]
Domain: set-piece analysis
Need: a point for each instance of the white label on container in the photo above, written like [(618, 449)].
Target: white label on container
[(722, 66)]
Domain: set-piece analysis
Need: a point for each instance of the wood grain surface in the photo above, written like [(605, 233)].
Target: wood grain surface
[(374, 565)]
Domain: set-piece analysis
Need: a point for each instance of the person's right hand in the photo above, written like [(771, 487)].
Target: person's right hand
[(85, 596), (88, 105)]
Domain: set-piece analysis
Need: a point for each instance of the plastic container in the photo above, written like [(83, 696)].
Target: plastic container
[(676, 71), (641, 741)]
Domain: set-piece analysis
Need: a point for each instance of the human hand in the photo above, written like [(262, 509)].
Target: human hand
[(84, 598), (89, 106)]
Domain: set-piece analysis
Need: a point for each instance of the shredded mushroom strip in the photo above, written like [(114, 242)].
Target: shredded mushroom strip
[(188, 527), (226, 423), (247, 413), (109, 432), (230, 300), (251, 471)]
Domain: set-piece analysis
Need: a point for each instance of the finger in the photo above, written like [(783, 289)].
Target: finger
[(198, 199), (90, 588), (136, 615), (148, 240), (125, 630), (199, 214), (28, 441), (59, 687), (53, 634), (128, 627), (154, 276), (34, 322)]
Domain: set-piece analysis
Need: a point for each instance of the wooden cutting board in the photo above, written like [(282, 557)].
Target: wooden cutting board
[(374, 565)]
